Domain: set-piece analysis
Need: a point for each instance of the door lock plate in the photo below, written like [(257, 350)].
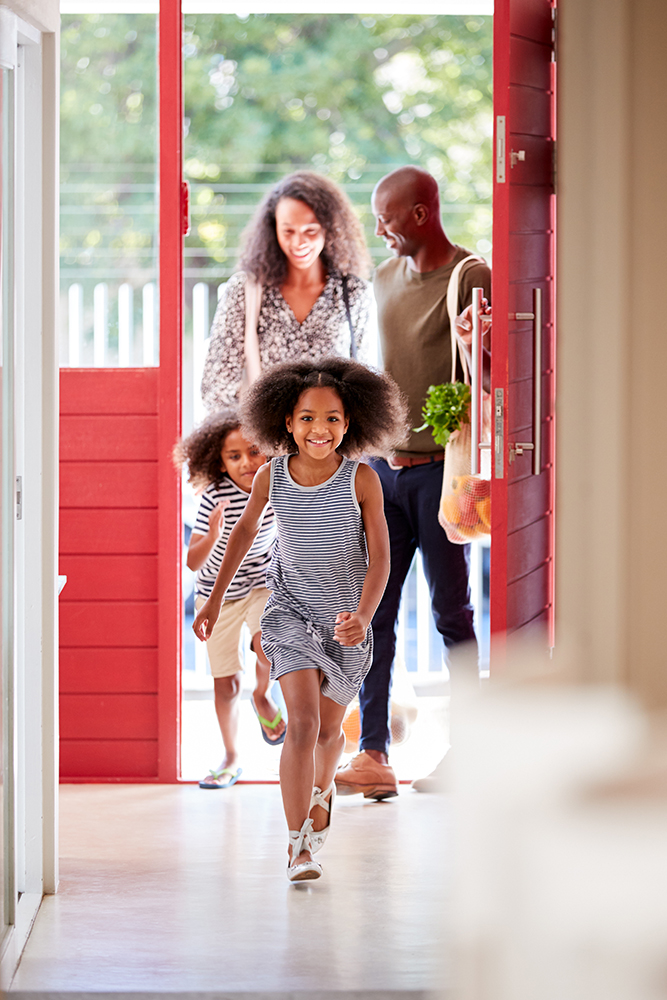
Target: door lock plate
[(499, 432)]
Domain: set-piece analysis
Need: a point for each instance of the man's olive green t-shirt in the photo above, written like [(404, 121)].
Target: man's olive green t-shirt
[(414, 331)]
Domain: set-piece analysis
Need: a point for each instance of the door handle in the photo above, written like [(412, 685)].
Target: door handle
[(536, 445), (476, 380)]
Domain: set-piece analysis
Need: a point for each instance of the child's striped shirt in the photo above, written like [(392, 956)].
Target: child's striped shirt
[(252, 571)]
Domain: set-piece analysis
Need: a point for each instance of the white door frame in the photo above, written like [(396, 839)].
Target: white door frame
[(33, 771)]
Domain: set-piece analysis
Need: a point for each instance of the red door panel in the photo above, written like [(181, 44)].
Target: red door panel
[(527, 19), (111, 577), (136, 391), (110, 438), (108, 624), (109, 716), (131, 531), (105, 672), (108, 760), (109, 485), (523, 256)]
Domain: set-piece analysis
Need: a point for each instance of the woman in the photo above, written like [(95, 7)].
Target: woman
[(306, 248)]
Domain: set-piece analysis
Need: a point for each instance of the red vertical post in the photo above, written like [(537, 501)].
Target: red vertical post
[(500, 278), (170, 388)]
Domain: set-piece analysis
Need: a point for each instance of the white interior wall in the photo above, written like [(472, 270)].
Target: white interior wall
[(612, 345)]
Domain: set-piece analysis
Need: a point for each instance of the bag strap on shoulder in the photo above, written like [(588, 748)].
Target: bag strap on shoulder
[(453, 311), (253, 303), (348, 312)]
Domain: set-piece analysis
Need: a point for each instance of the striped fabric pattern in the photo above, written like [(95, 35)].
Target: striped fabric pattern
[(252, 572), (318, 569)]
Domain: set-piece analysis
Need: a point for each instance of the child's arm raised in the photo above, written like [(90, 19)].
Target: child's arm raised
[(242, 536), (351, 627), (201, 546)]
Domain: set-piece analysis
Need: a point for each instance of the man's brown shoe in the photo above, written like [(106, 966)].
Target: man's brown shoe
[(363, 774)]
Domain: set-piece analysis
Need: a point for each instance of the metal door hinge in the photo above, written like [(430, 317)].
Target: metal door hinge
[(19, 498), (185, 208), (554, 34), (554, 164), (499, 432)]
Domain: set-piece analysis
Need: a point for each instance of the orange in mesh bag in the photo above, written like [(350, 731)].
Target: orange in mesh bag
[(465, 501)]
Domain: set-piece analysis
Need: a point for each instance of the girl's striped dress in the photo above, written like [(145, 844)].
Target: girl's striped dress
[(318, 569)]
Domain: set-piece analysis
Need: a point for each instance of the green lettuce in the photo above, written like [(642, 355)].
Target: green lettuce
[(446, 407)]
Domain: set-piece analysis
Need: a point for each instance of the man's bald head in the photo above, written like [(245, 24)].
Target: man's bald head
[(412, 186), (406, 206)]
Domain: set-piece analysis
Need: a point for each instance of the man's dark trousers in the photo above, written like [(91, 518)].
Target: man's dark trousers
[(411, 501)]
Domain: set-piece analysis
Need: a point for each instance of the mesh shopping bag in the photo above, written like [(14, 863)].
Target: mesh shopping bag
[(465, 500)]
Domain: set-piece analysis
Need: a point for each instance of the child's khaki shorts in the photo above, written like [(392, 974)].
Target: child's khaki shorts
[(223, 646)]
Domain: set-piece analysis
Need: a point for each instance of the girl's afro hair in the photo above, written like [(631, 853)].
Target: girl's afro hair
[(201, 450), (373, 404)]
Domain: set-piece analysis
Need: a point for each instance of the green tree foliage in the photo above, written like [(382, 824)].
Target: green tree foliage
[(108, 100), (341, 92), (347, 94), (108, 143)]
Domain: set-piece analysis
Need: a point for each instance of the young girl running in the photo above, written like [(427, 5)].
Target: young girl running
[(329, 568), (221, 459)]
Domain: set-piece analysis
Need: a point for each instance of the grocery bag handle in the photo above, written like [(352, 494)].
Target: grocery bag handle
[(453, 311)]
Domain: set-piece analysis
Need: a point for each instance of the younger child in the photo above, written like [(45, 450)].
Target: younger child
[(329, 569), (221, 458)]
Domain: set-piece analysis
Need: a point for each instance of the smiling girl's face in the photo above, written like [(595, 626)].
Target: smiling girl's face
[(241, 459), (300, 236), (318, 423)]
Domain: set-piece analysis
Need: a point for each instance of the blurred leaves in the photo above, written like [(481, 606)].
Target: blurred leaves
[(108, 81), (347, 94), (343, 91)]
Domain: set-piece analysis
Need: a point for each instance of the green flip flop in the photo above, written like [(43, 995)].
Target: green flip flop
[(215, 777), (270, 725)]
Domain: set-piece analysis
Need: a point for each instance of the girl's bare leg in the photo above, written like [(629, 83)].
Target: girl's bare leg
[(263, 703), (328, 750), (301, 691), (227, 693)]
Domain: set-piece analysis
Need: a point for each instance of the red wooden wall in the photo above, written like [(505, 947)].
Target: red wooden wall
[(120, 507), (109, 552)]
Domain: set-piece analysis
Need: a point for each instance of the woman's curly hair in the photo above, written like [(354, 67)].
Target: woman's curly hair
[(344, 250), (201, 450), (373, 404)]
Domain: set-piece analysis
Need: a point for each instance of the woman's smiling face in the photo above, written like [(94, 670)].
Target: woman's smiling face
[(300, 236), (318, 423)]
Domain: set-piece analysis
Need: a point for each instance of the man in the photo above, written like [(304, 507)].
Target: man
[(411, 294)]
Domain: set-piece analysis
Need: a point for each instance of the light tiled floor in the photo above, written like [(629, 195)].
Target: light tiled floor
[(169, 888)]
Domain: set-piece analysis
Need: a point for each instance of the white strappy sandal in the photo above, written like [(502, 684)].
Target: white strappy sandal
[(301, 841), (318, 837)]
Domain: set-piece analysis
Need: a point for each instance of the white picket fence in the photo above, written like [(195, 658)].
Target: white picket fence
[(136, 345), (417, 640)]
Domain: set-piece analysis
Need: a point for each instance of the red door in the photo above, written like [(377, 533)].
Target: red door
[(120, 532), (522, 382)]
